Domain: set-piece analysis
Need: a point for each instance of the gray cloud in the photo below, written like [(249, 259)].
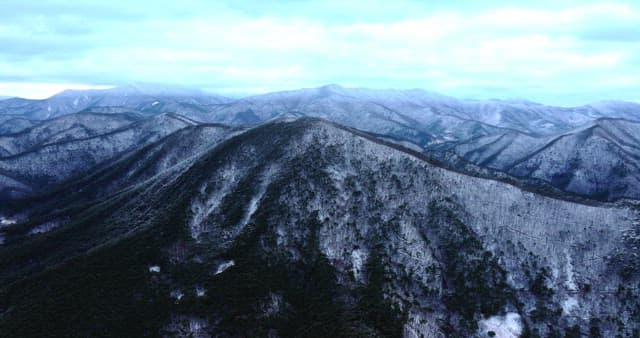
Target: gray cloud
[(571, 54)]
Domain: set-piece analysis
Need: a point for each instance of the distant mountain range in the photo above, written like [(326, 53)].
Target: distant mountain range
[(144, 99), (519, 138), (333, 102), (160, 211)]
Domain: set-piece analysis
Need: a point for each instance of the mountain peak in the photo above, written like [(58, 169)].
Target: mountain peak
[(332, 86)]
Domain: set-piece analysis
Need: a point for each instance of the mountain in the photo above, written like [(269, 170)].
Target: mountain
[(301, 227), (142, 98), (35, 161), (443, 127), (65, 128), (618, 109), (436, 124), (424, 117), (601, 160), (444, 117), (174, 153), (14, 125)]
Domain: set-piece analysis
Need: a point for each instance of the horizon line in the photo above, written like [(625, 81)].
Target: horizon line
[(56, 89)]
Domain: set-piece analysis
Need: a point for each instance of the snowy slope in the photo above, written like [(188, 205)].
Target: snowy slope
[(302, 214), (601, 159), (489, 133), (360, 108), (144, 98), (14, 125), (65, 128), (425, 118), (52, 162), (171, 154)]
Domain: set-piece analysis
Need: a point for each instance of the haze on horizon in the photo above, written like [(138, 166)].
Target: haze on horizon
[(564, 54)]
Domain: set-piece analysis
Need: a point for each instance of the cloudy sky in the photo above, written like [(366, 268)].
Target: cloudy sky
[(555, 52)]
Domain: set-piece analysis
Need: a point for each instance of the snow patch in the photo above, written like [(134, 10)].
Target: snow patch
[(186, 326), (358, 257), (253, 205), (267, 177), (197, 328), (570, 284), (176, 294), (508, 326), (224, 266), (203, 206), (7, 221), (200, 291), (154, 268), (44, 227), (421, 325), (337, 174), (569, 305)]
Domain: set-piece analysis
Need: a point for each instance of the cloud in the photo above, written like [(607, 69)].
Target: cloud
[(564, 55)]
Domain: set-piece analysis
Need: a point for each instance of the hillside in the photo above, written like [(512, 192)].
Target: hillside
[(601, 160), (300, 227), (46, 161)]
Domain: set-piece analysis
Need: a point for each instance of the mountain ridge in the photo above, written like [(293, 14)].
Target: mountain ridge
[(307, 201), (570, 154), (66, 158), (441, 126)]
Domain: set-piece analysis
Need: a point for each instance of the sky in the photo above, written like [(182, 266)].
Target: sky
[(554, 52)]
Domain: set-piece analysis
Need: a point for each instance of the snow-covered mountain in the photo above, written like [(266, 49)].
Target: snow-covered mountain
[(445, 118), (436, 123), (425, 117), (601, 159), (168, 156), (301, 227), (64, 128), (441, 126), (142, 98), (61, 148)]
